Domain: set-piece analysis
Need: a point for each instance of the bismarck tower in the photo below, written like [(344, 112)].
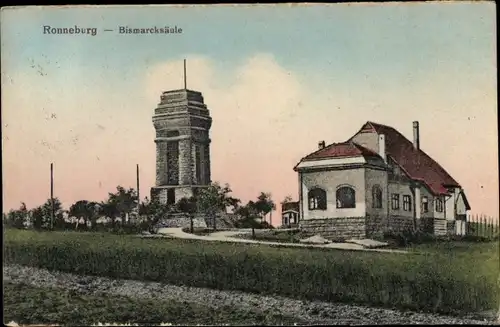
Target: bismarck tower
[(182, 123)]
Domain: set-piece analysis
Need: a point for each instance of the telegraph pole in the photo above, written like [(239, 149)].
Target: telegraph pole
[(52, 195), (138, 196)]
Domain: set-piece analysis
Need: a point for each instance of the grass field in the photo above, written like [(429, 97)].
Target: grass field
[(448, 278), (26, 304)]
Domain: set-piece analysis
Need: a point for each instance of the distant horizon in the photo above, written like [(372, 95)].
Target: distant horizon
[(276, 79)]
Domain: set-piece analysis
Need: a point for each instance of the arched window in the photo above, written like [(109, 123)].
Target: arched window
[(317, 199), (346, 197), (376, 197)]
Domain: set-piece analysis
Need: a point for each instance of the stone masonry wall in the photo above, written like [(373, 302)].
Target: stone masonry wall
[(400, 224), (160, 162), (335, 228), (185, 171), (427, 225), (376, 225), (206, 164), (182, 221)]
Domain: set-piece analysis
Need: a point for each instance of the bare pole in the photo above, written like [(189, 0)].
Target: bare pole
[(52, 195), (138, 194), (185, 76)]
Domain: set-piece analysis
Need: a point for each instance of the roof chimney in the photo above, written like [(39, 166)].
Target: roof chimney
[(321, 145), (381, 147), (416, 136)]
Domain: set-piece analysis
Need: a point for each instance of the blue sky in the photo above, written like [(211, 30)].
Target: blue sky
[(347, 41)]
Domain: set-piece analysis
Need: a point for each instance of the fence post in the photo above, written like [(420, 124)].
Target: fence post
[(474, 226), (467, 223)]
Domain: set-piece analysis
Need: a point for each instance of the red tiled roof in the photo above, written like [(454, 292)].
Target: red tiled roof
[(290, 206), (416, 163), (338, 150)]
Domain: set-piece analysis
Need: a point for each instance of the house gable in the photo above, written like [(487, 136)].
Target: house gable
[(415, 163), (462, 204)]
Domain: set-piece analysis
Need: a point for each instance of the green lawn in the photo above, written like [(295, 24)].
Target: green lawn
[(445, 277), (26, 304)]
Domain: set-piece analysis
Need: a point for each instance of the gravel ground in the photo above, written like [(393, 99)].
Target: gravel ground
[(314, 312)]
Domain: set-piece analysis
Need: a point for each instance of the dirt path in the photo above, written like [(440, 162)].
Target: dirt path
[(228, 236), (315, 312)]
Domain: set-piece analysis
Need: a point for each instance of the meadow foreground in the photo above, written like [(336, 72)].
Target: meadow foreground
[(261, 284)]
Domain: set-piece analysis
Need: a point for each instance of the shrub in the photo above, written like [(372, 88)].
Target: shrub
[(447, 282), (410, 237)]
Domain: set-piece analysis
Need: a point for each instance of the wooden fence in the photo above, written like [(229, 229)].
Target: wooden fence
[(482, 226)]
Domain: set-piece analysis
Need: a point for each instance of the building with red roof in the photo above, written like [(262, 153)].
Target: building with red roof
[(377, 181)]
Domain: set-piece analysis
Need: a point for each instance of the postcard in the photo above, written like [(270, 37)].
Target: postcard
[(274, 164)]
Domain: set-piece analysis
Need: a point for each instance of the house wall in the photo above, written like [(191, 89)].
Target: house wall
[(330, 181), (401, 188), (461, 209), (376, 218), (437, 214), (367, 139), (335, 229), (375, 177), (430, 197), (450, 207)]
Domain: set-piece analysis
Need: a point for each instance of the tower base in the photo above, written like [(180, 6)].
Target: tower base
[(172, 194)]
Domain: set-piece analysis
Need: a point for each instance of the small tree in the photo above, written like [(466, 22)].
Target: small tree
[(109, 210), (265, 205), (190, 207), (287, 199), (122, 203), (42, 215), (17, 218), (215, 199), (85, 210), (154, 211), (248, 213)]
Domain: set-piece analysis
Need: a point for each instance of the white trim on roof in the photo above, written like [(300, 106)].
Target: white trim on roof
[(332, 162)]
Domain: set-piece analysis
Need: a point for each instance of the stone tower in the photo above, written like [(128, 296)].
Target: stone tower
[(182, 123)]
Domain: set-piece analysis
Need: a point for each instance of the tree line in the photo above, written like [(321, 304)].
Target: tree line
[(122, 211)]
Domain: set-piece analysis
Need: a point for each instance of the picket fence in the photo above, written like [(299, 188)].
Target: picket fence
[(482, 226)]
